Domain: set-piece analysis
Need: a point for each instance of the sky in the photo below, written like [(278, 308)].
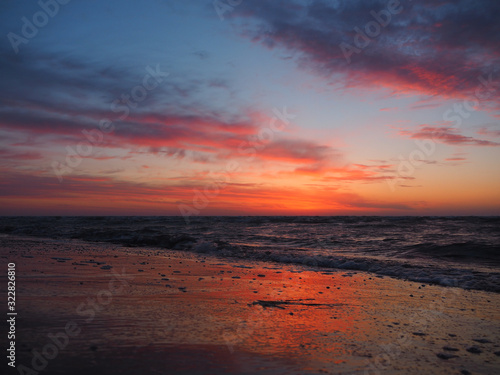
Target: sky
[(250, 107)]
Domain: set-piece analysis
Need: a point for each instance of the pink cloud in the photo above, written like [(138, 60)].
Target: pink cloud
[(15, 155), (489, 132)]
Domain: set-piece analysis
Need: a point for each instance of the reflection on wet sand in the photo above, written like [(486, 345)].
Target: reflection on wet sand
[(182, 314)]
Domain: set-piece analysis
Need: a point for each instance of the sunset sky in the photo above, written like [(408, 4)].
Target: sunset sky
[(251, 107)]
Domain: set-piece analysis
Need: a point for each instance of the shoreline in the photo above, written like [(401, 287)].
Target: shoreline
[(480, 276), (203, 314)]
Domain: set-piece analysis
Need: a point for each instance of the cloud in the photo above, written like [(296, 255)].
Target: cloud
[(55, 98), (180, 127), (446, 135), (487, 131), (433, 47), (12, 154), (299, 152), (87, 194), (331, 172)]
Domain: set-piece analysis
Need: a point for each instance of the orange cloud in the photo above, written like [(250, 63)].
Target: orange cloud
[(105, 195)]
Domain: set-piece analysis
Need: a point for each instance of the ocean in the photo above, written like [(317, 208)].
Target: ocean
[(462, 252)]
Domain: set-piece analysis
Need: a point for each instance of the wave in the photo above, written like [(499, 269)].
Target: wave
[(459, 250), (432, 274), (448, 251)]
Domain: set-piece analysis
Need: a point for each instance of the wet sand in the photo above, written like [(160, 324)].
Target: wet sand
[(97, 308)]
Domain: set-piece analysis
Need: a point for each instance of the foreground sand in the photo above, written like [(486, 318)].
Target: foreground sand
[(145, 311)]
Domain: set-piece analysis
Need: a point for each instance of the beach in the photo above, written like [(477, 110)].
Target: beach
[(233, 187), (103, 308)]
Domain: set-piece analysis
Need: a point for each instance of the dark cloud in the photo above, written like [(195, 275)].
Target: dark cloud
[(446, 135), (299, 151), (55, 98), (435, 47), (54, 95)]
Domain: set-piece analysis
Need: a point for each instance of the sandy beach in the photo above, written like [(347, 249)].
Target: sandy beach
[(231, 187), (99, 308)]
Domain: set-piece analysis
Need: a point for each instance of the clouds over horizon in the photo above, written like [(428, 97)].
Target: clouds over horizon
[(183, 95), (106, 195)]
